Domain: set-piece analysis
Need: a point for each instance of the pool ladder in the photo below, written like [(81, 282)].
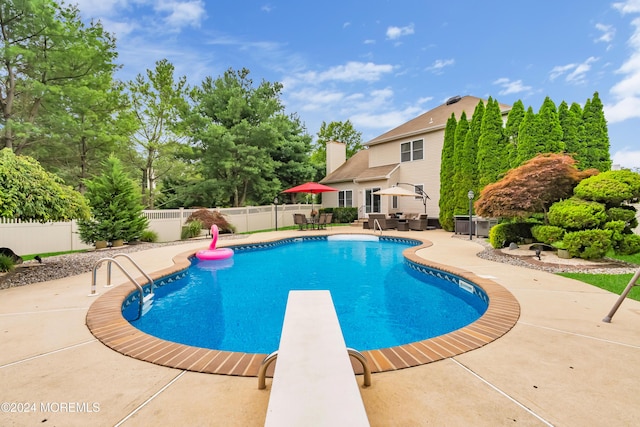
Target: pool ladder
[(146, 301), (262, 372), (376, 224)]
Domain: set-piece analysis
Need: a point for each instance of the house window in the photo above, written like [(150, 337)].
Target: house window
[(345, 199), (419, 189), (410, 151)]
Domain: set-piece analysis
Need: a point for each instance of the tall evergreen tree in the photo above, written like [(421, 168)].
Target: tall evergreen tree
[(571, 123), (447, 173), (492, 151), (527, 137), (115, 206), (540, 133), (596, 136), (550, 130), (511, 131), (462, 168)]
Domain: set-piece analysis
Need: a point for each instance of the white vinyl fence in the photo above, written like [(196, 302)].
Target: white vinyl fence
[(26, 238)]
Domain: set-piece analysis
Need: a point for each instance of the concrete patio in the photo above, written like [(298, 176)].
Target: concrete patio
[(560, 365)]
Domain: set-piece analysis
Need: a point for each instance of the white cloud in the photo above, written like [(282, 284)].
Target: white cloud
[(509, 86), (394, 33), (608, 33), (99, 9), (439, 64), (266, 8), (627, 158), (385, 120), (627, 91), (577, 76), (369, 41), (182, 13), (311, 99), (349, 72), (629, 6)]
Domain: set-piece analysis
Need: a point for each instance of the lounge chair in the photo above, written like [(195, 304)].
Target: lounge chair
[(420, 223)]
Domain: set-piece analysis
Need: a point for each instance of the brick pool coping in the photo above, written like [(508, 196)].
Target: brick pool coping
[(105, 321)]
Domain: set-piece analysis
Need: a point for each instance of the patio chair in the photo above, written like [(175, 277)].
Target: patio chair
[(419, 224), (322, 221), (300, 220)]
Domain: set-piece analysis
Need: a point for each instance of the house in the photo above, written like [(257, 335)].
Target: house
[(407, 156)]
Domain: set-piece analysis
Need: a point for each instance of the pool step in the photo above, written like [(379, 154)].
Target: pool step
[(147, 303)]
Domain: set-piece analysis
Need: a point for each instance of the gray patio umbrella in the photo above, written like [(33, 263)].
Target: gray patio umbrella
[(396, 191), (401, 192)]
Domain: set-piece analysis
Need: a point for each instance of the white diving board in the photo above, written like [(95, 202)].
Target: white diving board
[(313, 381)]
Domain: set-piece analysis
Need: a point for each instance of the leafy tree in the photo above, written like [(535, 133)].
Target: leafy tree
[(46, 49), (95, 123), (336, 131), (115, 206), (28, 192), (238, 127), (531, 188), (157, 100), (291, 153), (512, 128), (447, 173), (595, 136), (492, 150)]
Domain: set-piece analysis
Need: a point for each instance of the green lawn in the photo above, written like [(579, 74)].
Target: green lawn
[(611, 282)]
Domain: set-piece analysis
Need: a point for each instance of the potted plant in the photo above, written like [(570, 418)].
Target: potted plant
[(562, 251)]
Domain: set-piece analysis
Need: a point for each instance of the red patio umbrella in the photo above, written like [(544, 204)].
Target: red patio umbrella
[(311, 188)]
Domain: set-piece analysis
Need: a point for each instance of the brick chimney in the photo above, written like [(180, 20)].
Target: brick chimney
[(336, 155)]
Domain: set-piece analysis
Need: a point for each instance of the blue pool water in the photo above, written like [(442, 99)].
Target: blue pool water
[(239, 305)]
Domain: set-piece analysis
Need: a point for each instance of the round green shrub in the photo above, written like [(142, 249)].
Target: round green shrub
[(547, 233), (588, 244), (629, 245), (623, 213), (502, 234), (577, 214)]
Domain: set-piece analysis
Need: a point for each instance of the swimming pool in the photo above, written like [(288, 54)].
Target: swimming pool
[(382, 299)]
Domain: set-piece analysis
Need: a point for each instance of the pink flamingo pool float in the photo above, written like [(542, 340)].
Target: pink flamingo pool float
[(212, 253)]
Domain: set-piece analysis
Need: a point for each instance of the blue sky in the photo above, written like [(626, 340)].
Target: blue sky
[(382, 63)]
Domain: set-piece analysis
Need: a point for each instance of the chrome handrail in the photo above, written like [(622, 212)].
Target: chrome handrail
[(149, 279), (262, 371), (365, 365), (376, 222), (137, 285)]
